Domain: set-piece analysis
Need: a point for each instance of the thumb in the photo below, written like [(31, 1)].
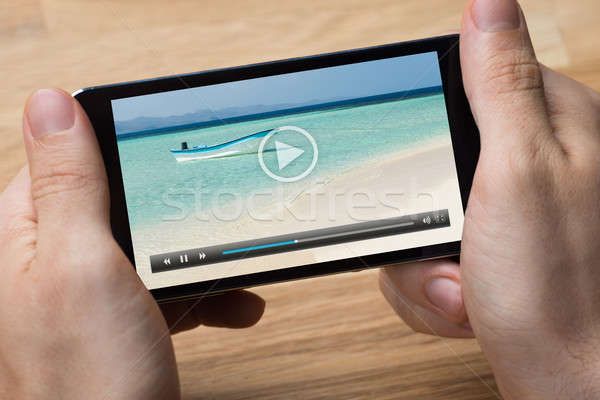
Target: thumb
[(502, 77), (68, 181)]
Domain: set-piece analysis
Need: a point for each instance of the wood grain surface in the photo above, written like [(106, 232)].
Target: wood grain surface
[(326, 338)]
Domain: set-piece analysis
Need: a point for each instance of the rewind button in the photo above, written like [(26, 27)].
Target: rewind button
[(182, 259)]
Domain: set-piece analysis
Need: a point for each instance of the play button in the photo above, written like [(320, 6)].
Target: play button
[(286, 154), (289, 156)]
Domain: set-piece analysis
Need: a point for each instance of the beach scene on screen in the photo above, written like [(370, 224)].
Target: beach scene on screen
[(192, 176)]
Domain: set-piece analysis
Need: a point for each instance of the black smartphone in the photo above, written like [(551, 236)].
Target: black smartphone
[(290, 169)]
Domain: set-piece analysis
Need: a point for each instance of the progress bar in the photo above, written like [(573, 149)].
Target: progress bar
[(263, 246), (299, 241)]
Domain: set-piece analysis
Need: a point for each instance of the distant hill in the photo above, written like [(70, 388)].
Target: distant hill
[(205, 116), (143, 126)]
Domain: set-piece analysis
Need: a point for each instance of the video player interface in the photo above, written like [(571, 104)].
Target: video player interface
[(287, 170)]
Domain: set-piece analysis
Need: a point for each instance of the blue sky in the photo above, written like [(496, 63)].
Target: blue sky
[(299, 88)]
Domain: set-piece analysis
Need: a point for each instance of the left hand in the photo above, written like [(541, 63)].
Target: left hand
[(75, 319)]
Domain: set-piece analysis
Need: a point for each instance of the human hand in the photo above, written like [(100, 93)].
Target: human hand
[(529, 276), (75, 320)]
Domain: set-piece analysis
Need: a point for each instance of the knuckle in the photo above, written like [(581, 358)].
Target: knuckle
[(514, 71), (66, 177)]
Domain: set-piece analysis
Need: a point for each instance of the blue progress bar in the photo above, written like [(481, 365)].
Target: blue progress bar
[(262, 246)]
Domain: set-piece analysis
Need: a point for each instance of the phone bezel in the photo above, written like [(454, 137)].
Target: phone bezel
[(465, 139)]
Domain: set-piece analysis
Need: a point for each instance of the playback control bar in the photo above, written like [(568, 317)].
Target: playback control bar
[(298, 241)]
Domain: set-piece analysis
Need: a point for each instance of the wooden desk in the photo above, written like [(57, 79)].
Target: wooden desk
[(332, 337)]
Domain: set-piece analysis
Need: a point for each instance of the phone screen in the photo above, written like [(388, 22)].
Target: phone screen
[(286, 170)]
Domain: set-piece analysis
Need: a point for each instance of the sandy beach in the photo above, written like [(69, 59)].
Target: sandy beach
[(417, 179)]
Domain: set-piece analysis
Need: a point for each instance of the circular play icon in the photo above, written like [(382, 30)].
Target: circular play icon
[(287, 150)]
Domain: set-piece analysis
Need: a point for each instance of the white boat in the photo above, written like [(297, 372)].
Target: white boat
[(244, 145)]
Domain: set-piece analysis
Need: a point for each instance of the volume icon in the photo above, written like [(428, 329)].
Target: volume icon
[(202, 255)]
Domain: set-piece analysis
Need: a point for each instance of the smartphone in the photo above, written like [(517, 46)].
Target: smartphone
[(244, 176)]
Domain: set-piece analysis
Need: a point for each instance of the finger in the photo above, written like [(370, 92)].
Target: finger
[(502, 77), (574, 114), (17, 215), (237, 309), (68, 182), (434, 285), (420, 319), (428, 297)]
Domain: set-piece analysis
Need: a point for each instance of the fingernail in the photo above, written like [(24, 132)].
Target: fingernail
[(49, 111), (445, 294), (496, 15)]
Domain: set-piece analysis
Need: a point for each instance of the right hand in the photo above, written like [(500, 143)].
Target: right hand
[(528, 286)]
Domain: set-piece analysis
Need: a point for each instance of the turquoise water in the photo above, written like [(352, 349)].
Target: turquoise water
[(345, 137)]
